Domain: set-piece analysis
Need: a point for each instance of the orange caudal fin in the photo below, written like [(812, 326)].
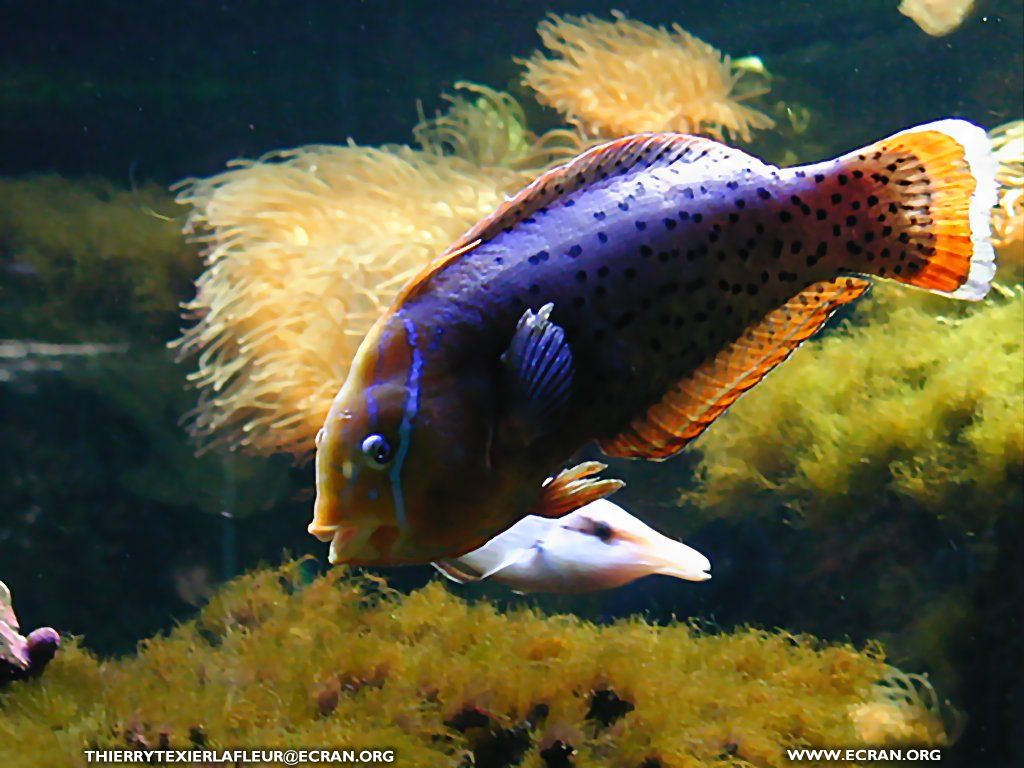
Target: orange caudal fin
[(922, 202)]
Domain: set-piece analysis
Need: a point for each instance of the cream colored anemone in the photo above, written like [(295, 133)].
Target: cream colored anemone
[(904, 710), (304, 249), (617, 77), (1008, 217), (488, 128), (937, 17)]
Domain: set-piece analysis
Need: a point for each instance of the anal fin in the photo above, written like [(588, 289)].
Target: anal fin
[(690, 408), (574, 488)]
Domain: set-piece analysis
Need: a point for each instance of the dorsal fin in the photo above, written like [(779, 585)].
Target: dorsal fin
[(690, 408), (648, 150)]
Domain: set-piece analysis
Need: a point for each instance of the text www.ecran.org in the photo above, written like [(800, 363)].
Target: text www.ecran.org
[(863, 755)]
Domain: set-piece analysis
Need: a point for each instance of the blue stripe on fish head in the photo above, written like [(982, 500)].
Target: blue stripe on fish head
[(405, 429), (412, 401), (402, 389), (362, 448)]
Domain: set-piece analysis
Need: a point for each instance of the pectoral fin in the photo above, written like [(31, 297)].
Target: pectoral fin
[(539, 371)]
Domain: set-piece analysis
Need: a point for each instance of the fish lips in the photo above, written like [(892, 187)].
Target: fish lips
[(340, 537), (342, 544), (682, 562), (322, 531)]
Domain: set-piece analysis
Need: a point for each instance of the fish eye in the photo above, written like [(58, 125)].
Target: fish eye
[(377, 451), (603, 531)]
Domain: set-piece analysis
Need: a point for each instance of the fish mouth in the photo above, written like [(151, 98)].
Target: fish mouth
[(339, 536), (684, 562), (351, 544), (322, 531), (326, 516), (339, 543), (687, 574)]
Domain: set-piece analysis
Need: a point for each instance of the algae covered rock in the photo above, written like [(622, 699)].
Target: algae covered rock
[(85, 259), (912, 408), (278, 659)]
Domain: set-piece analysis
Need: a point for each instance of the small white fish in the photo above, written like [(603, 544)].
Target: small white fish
[(599, 546)]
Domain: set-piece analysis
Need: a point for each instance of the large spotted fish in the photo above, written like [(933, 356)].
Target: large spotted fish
[(628, 297)]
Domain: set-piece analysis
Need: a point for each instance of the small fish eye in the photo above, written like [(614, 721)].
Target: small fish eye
[(603, 531), (377, 450)]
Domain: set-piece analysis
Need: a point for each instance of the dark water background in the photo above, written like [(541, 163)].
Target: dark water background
[(174, 89), (156, 91)]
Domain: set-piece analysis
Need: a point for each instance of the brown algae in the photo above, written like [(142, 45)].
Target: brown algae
[(344, 661)]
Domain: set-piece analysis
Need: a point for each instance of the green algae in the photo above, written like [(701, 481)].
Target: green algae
[(87, 260), (920, 405), (344, 661)]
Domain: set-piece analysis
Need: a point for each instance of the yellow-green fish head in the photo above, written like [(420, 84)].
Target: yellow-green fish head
[(394, 455)]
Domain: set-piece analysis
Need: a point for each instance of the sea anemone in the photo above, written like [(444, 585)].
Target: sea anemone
[(304, 249), (905, 709), (937, 17), (1008, 217), (20, 656), (488, 128), (612, 78)]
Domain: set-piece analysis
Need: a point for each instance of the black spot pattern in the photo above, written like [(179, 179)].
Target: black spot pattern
[(752, 239)]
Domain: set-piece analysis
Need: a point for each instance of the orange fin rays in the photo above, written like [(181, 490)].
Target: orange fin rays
[(691, 407), (940, 177), (574, 488)]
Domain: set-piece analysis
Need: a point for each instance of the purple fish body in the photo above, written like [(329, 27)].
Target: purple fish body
[(650, 271), (629, 297)]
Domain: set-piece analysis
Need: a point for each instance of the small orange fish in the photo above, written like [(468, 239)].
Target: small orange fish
[(628, 297)]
